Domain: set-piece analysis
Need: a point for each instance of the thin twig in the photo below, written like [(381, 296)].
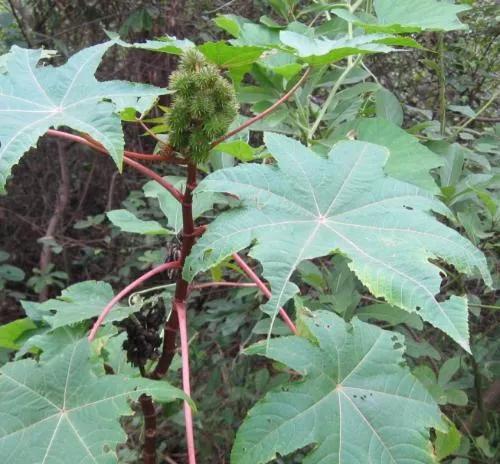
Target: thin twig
[(157, 270), (265, 113), (263, 288)]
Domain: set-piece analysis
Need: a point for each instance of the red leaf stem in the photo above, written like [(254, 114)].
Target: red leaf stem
[(180, 308), (132, 286), (266, 112), (263, 288), (130, 162)]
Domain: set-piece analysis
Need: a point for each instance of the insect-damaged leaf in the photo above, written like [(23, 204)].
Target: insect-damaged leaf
[(35, 98), (308, 206), (357, 402)]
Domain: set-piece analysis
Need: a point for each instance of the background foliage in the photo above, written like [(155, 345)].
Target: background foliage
[(54, 231)]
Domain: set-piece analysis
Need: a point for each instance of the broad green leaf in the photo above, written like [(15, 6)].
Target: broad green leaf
[(231, 23), (12, 273), (447, 442), (236, 59), (357, 402), (237, 148), (388, 107), (34, 99), (308, 206), (60, 411), (284, 64), (409, 160), (319, 51), (77, 303), (402, 16), (172, 209), (129, 222), (227, 56), (11, 332), (48, 343)]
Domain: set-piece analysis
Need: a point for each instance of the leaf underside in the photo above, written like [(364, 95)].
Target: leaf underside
[(308, 206), (357, 403)]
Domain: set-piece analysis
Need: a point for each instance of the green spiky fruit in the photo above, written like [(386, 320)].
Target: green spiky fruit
[(204, 105)]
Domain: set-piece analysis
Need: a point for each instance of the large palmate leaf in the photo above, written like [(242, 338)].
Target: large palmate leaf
[(77, 303), (400, 16), (357, 403), (318, 51), (308, 206), (409, 160), (33, 99), (59, 411)]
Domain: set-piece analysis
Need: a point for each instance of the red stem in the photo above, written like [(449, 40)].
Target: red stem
[(157, 270), (153, 175), (263, 288), (180, 307), (262, 115), (130, 162), (99, 147)]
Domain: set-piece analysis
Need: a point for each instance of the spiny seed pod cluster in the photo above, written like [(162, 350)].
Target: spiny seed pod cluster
[(204, 105)]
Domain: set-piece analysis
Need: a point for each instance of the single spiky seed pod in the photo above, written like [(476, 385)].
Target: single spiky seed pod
[(204, 105)]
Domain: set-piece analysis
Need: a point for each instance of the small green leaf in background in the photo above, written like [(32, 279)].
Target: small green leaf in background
[(64, 411), (237, 148), (388, 107), (172, 209), (356, 403), (12, 273), (77, 303), (447, 442), (11, 332), (128, 222)]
